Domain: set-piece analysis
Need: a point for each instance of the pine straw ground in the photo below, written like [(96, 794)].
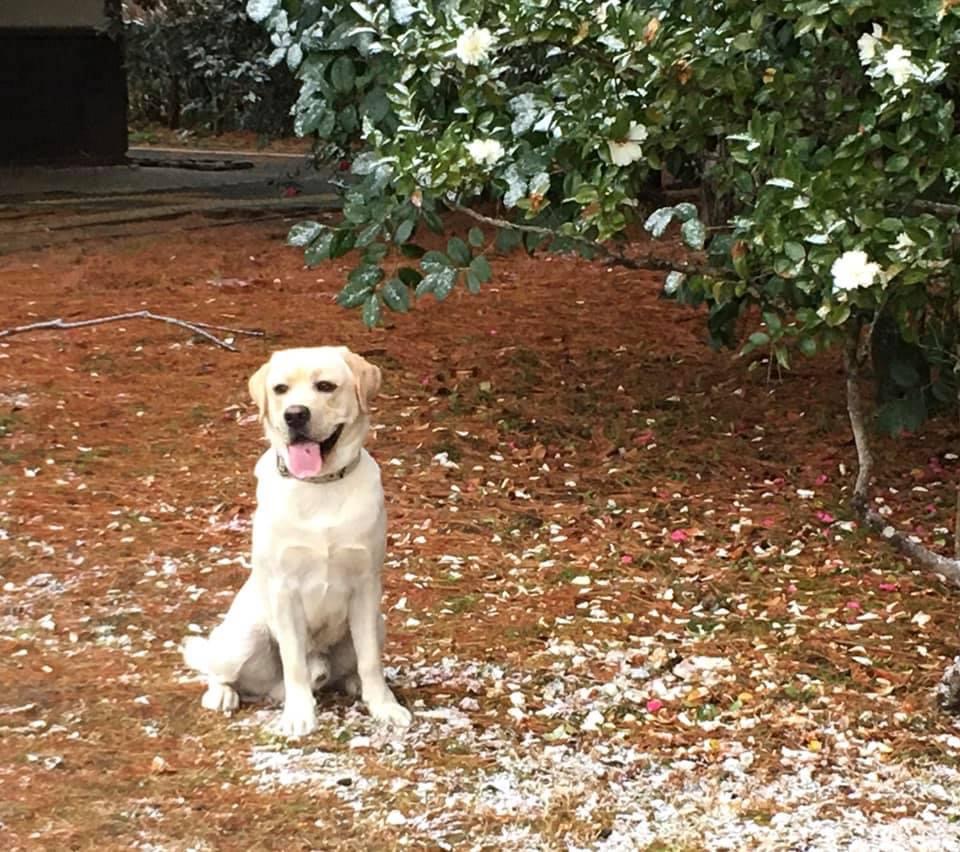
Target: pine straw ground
[(625, 598)]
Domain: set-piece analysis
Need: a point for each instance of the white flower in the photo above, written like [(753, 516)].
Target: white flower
[(903, 244), (898, 65), (473, 45), (623, 152), (867, 44), (486, 152), (853, 270)]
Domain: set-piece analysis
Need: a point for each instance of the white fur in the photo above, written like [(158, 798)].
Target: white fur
[(309, 614)]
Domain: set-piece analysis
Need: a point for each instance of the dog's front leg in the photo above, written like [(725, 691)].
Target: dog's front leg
[(289, 625), (365, 630)]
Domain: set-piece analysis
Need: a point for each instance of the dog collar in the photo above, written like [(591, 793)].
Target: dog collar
[(316, 480)]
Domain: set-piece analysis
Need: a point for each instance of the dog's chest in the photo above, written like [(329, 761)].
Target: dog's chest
[(325, 605)]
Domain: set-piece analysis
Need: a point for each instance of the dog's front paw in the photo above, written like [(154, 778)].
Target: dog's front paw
[(299, 717), (391, 713), (221, 698)]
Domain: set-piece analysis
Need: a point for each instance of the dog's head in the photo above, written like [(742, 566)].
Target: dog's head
[(314, 405)]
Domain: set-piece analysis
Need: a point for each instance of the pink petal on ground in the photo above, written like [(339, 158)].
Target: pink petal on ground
[(853, 605), (653, 705), (821, 479), (678, 535), (825, 517), (626, 559), (888, 587)]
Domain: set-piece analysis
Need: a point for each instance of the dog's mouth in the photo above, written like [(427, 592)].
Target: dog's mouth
[(305, 457)]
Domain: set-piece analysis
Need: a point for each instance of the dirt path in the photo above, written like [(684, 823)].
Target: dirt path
[(624, 596)]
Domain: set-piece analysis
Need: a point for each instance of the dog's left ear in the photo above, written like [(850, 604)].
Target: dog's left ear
[(258, 390), (366, 376)]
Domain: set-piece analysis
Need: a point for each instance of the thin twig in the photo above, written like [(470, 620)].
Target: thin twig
[(916, 552), (648, 261), (196, 327)]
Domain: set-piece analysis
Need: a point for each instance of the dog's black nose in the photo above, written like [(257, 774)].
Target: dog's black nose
[(297, 416)]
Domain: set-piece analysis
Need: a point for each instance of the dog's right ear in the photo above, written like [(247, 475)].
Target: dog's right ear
[(258, 390)]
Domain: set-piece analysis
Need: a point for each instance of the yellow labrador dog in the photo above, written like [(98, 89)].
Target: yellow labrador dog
[(309, 615)]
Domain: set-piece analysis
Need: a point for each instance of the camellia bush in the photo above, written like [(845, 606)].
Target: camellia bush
[(823, 135)]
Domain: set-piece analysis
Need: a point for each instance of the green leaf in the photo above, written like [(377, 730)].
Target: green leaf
[(311, 115), (480, 269), (435, 261), (897, 163), (685, 211), (694, 233), (375, 252), (369, 234), (319, 250), (658, 221), (586, 194), (673, 282), (439, 283), (795, 251), (476, 238), (366, 275), (396, 295), (343, 241), (404, 231), (372, 309), (533, 241), (759, 338), (352, 296), (507, 240), (304, 233), (343, 74), (773, 322), (459, 251), (808, 345)]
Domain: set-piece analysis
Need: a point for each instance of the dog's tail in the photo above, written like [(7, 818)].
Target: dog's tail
[(213, 656)]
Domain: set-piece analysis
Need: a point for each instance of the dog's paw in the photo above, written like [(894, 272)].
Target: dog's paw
[(299, 718), (391, 713), (221, 698)]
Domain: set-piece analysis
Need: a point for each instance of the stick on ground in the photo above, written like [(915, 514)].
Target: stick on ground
[(199, 328)]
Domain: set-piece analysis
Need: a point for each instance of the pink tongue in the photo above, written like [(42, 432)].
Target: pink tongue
[(305, 459)]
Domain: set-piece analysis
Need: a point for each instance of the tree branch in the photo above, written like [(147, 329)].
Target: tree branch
[(852, 363), (916, 552), (198, 328), (938, 208), (647, 261)]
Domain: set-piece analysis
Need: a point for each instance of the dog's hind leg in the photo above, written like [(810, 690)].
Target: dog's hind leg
[(237, 660)]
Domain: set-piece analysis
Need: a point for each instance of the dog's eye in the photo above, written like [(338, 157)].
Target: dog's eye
[(325, 387), (279, 390)]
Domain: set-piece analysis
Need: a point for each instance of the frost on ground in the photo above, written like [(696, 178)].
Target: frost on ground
[(614, 796)]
